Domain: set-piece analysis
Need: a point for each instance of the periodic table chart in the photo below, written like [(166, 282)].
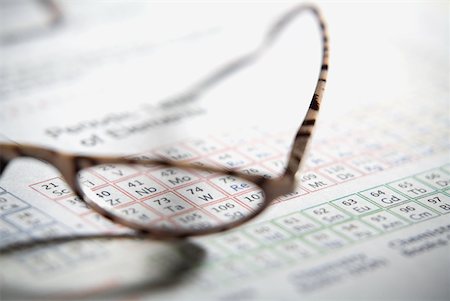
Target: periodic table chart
[(341, 222), (341, 152)]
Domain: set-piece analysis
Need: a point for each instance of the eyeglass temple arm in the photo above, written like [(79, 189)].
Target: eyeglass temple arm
[(243, 61), (303, 136), (304, 132), (11, 151)]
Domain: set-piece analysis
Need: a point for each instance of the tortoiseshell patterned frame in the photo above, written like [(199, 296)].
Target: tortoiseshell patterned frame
[(70, 164)]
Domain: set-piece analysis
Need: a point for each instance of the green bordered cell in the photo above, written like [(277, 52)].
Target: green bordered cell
[(411, 187), (446, 168), (383, 196), (439, 202), (413, 212), (385, 221), (326, 239), (333, 225), (355, 230), (295, 249), (355, 205), (326, 214), (267, 233), (435, 178), (297, 223), (237, 242)]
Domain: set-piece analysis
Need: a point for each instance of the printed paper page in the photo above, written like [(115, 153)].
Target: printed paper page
[(368, 218)]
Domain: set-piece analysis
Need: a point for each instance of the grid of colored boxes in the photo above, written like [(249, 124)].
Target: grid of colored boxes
[(341, 222)]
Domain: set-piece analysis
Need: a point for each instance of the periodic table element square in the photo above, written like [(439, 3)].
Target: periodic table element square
[(423, 150), (228, 210), (252, 199), (140, 187), (89, 180), (298, 191), (370, 143), (237, 242), (138, 213), (168, 204), (446, 168), (396, 157), (173, 177), (230, 159), (326, 214), (53, 189), (114, 172), (297, 223), (201, 193), (316, 159), (367, 164), (257, 170), (176, 153), (28, 219), (277, 165), (109, 197), (52, 230), (437, 201), (313, 181), (75, 204), (204, 146), (195, 219), (258, 152), (295, 249), (340, 150), (385, 221), (355, 230), (435, 178), (383, 196), (6, 230), (102, 223), (266, 259), (10, 203), (411, 187), (144, 167), (413, 212), (267, 233), (340, 172), (326, 239), (231, 184), (202, 162), (355, 205), (282, 143)]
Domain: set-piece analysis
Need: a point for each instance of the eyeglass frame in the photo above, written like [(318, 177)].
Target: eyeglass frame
[(69, 164)]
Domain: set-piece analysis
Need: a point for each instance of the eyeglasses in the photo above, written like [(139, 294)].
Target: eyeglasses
[(197, 210)]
